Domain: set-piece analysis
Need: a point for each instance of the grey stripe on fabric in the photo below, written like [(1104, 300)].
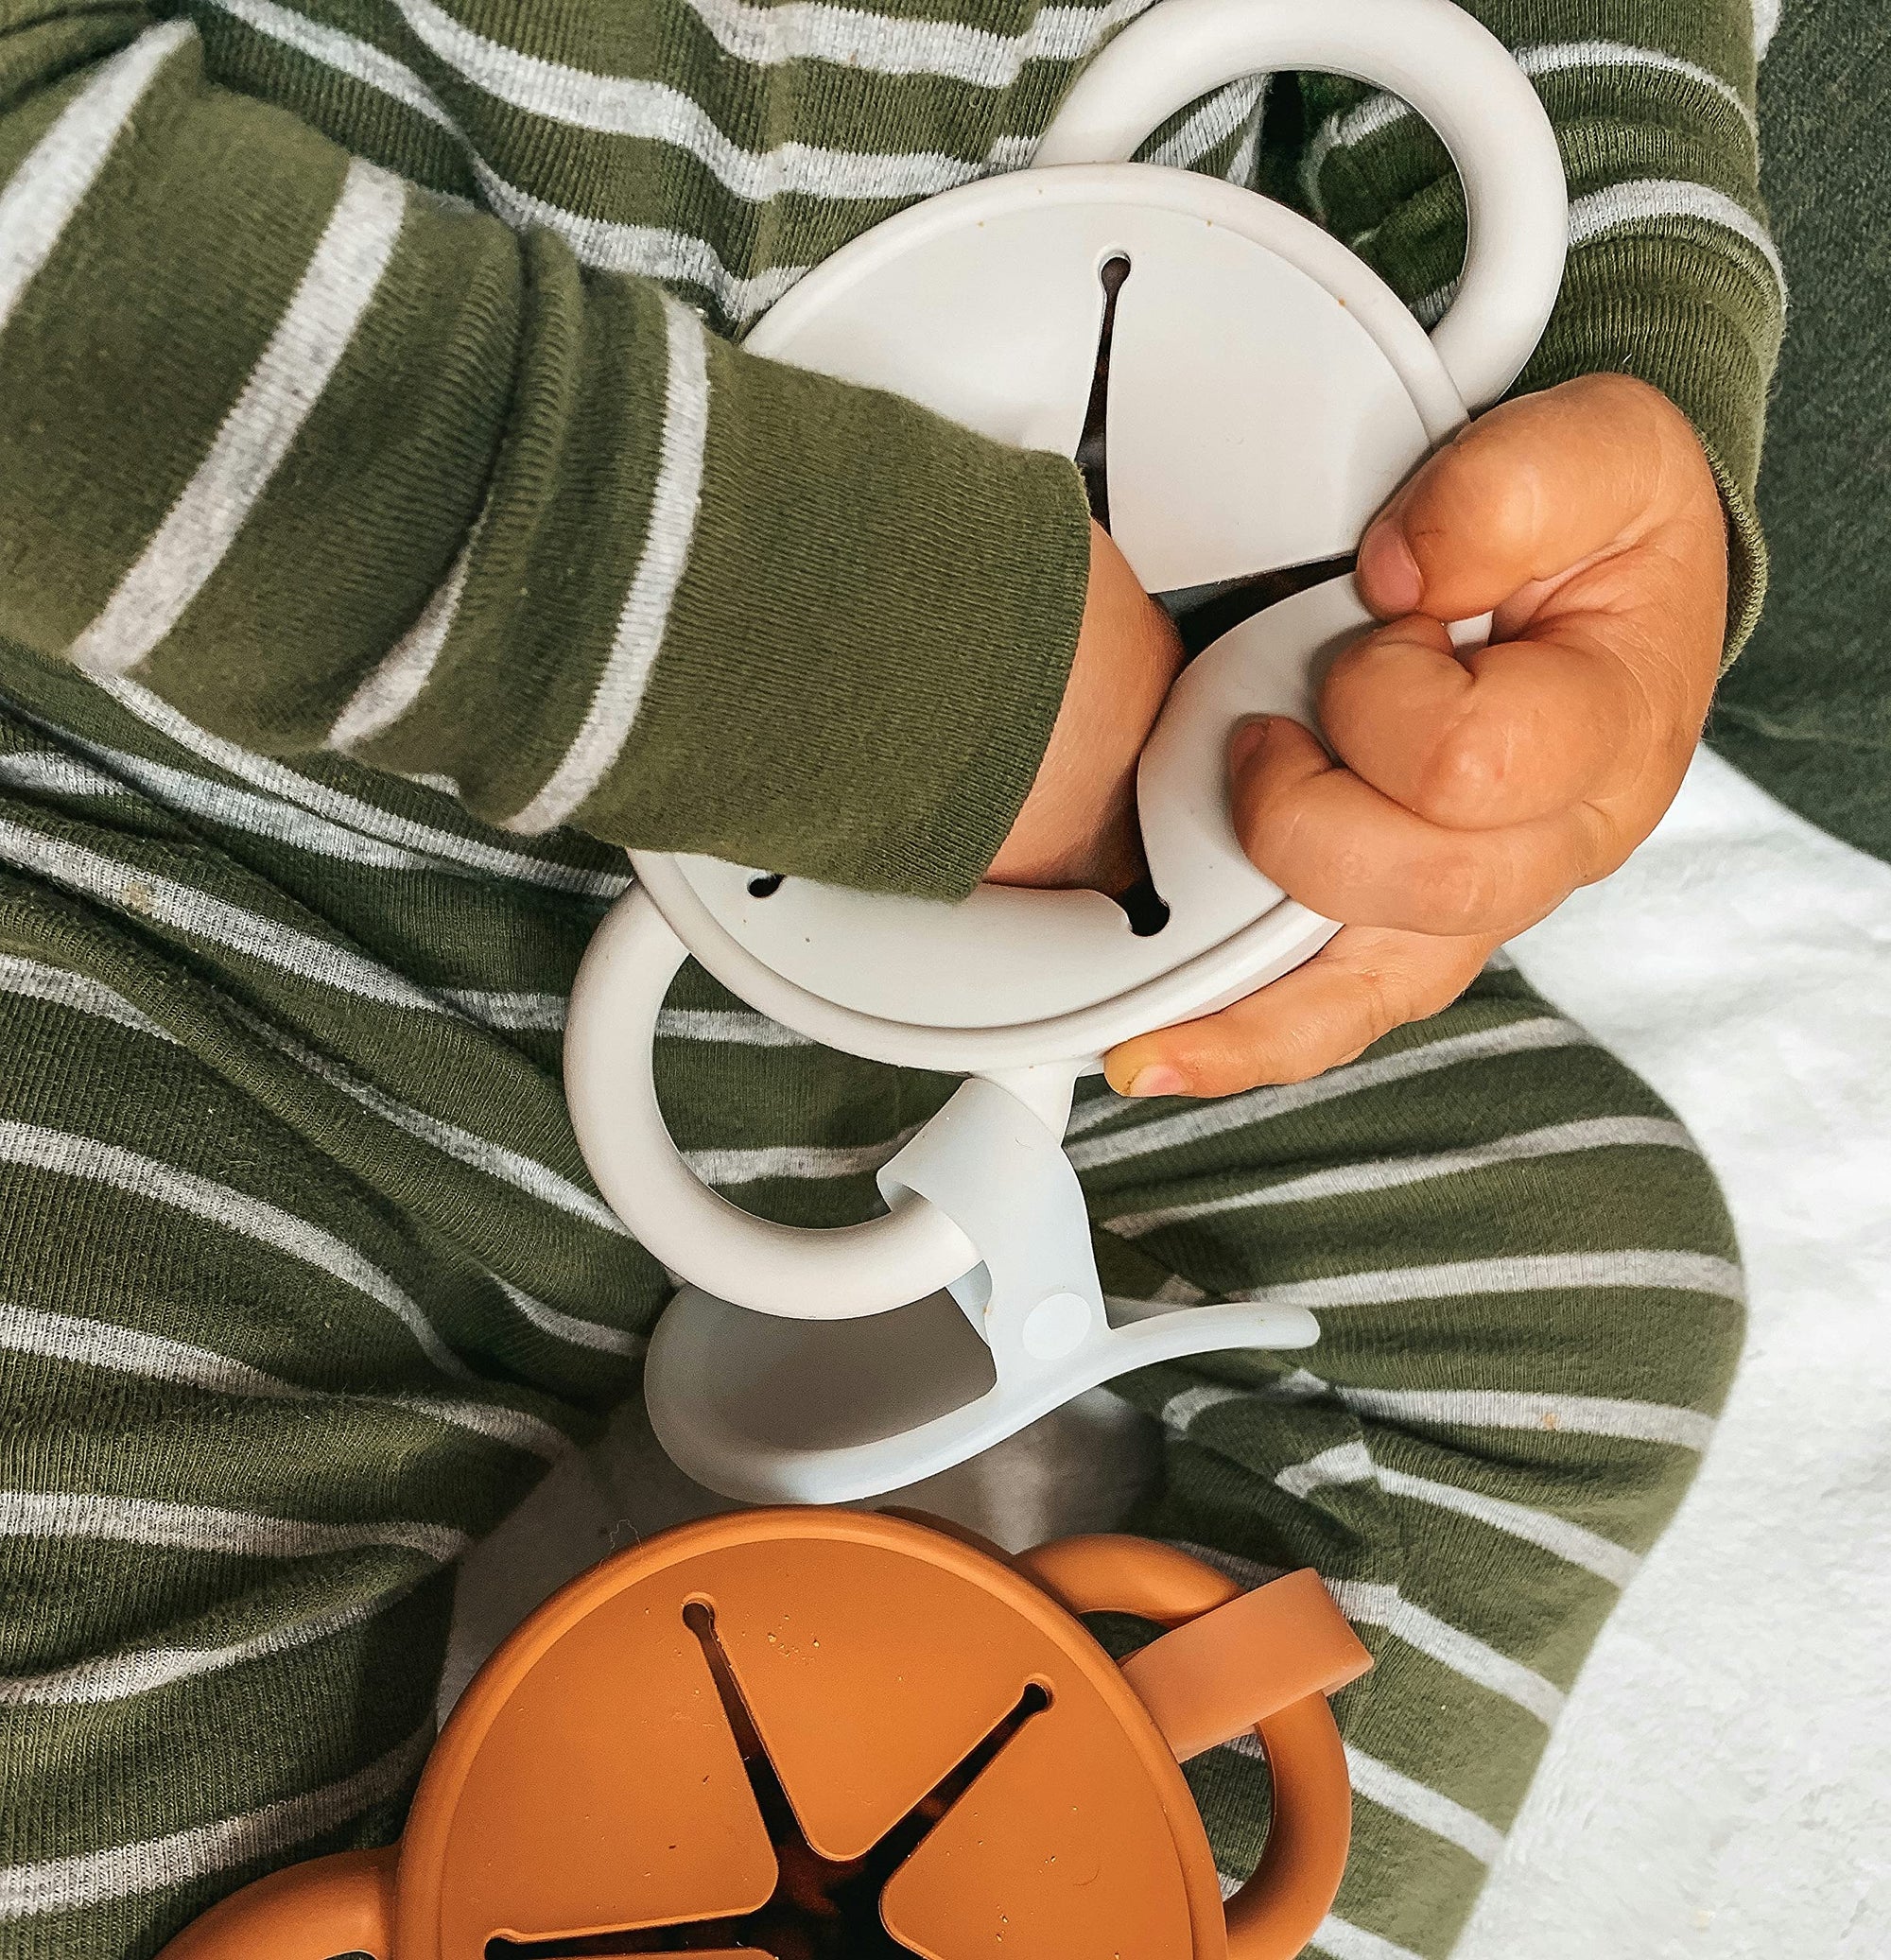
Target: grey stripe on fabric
[(566, 1327), (36, 980), (145, 894), (1627, 207), (37, 202), (1419, 1804), (157, 1864), (879, 44), (654, 112), (739, 1026), (524, 1173), (1387, 1173), (341, 278), (127, 1674), (641, 624), (1218, 118), (796, 1160), (392, 687), (57, 776), (1521, 1272), (1199, 1120), (1474, 1408), (36, 1514), (97, 1343), (1343, 1941), (354, 812), (1373, 1602), (1379, 112), (63, 1153), (1352, 1462)]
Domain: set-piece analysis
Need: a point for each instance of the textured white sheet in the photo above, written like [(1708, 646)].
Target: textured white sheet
[(1719, 1787)]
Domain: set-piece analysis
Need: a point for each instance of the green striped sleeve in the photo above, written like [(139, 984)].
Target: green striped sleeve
[(330, 462), (1671, 274)]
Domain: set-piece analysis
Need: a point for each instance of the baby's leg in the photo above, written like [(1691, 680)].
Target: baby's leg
[(1530, 1312), (301, 1287)]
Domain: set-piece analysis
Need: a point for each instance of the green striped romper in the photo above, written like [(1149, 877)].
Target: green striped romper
[(391, 530)]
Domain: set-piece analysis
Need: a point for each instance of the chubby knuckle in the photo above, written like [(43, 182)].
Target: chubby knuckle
[(1466, 777), (1455, 890)]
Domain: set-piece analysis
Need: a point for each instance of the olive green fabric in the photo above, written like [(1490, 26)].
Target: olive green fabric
[(392, 525), (1807, 710)]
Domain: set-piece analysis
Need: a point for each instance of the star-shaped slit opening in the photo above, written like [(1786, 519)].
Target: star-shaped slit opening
[(821, 1908)]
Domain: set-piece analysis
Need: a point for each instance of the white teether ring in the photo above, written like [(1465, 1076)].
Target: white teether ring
[(1267, 391)]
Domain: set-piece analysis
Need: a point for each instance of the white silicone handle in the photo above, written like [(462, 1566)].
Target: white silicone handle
[(798, 1273), (1429, 53)]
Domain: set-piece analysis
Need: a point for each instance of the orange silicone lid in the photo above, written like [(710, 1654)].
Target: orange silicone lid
[(813, 1732)]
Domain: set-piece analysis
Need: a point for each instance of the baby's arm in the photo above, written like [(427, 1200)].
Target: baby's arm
[(330, 464), (1613, 530)]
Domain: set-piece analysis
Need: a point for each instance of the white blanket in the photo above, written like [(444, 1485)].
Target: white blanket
[(1720, 1785)]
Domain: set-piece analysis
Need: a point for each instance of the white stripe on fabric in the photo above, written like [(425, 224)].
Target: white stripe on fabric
[(1344, 1463), (1379, 112), (1419, 1804), (1378, 1604), (1387, 1173), (394, 685), (1623, 206), (638, 106), (537, 1180), (1181, 1409), (342, 275), (1218, 118), (60, 776), (73, 990), (248, 810), (566, 1327), (1343, 1941), (669, 532), (1521, 1272), (651, 252), (1372, 1603), (504, 1007), (35, 1514), (97, 1343), (741, 1027), (1508, 1409), (1765, 25), (160, 1864), (62, 1153), (797, 1160), (122, 1677), (144, 894), (353, 812), (806, 30), (39, 200), (360, 59), (1573, 1543), (1205, 1119), (1351, 1463)]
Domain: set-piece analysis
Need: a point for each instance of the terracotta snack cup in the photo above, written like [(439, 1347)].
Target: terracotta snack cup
[(814, 1733)]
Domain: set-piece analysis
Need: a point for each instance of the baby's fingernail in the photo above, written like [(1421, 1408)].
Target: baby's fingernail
[(1244, 742), (1388, 573), (1158, 1078)]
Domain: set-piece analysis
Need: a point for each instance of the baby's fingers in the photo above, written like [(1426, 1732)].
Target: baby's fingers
[(1533, 489), (1361, 985), (1505, 736), (1342, 848)]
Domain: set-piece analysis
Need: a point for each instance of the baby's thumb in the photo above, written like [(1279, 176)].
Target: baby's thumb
[(1524, 494)]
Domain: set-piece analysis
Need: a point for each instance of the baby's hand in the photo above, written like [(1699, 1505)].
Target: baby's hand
[(1472, 795)]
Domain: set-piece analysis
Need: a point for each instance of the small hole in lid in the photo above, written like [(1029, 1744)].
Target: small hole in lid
[(765, 884)]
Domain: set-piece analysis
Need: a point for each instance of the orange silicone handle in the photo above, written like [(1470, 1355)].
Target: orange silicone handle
[(1265, 1660), (343, 1904)]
